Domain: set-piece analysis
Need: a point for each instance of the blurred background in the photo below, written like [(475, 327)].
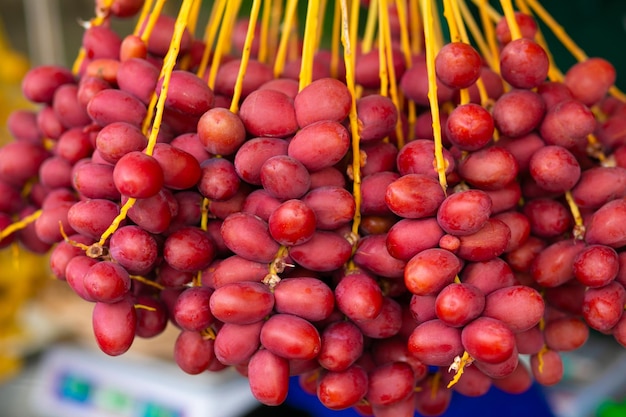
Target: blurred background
[(49, 365), (47, 31)]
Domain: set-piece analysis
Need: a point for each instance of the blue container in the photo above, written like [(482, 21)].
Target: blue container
[(494, 404)]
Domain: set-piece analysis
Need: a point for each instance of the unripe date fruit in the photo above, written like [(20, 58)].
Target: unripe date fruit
[(138, 77), (138, 175), (590, 80), (221, 131), (488, 340), (114, 326), (319, 145), (40, 83), (324, 99), (431, 270), (377, 116), (524, 63), (336, 249), (290, 337), (490, 168), (268, 113), (189, 249), (241, 302), (292, 223), (187, 93), (457, 65), (109, 106)]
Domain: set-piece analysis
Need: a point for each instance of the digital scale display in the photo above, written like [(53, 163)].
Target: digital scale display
[(74, 382), (82, 391)]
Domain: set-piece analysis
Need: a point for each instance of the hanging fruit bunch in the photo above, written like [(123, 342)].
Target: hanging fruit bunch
[(390, 211)]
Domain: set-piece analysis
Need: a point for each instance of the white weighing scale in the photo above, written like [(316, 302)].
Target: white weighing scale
[(75, 382)]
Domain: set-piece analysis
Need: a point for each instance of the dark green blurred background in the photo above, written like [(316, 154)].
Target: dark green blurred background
[(597, 26)]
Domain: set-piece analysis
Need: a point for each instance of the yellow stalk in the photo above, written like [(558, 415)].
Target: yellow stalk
[(370, 27), (448, 13), (147, 5), (471, 24), (154, 15), (383, 26), (245, 56), (459, 366), (309, 41), (204, 218), (567, 41), (95, 21), (579, 227), (509, 15), (543, 350), (274, 30), (349, 23), (265, 30), (320, 18), (192, 21), (490, 12), (116, 221), (457, 33), (166, 73), (429, 35), (557, 29), (335, 41), (144, 307), (101, 15), (19, 225), (223, 40), (388, 50), (147, 281), (415, 27), (437, 30), (287, 26), (553, 72), (210, 32), (490, 35), (405, 45)]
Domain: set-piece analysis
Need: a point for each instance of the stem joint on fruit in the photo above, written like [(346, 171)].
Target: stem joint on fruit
[(276, 267), (579, 227), (96, 250), (458, 366), (208, 333)]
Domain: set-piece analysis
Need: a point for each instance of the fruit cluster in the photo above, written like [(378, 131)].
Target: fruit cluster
[(391, 227)]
